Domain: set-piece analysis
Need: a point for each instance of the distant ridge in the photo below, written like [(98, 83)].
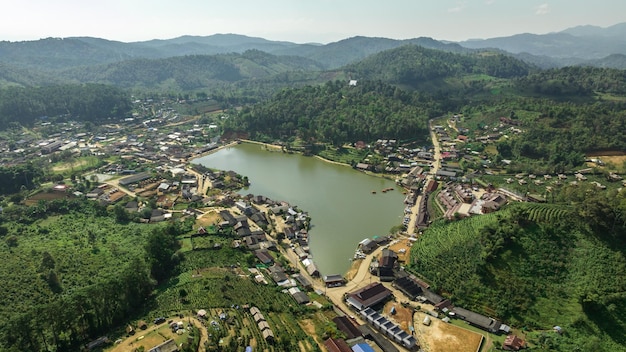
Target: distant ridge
[(578, 44)]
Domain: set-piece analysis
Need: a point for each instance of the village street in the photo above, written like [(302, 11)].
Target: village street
[(431, 175)]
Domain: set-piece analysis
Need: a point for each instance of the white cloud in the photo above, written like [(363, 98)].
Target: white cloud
[(460, 6), (542, 9)]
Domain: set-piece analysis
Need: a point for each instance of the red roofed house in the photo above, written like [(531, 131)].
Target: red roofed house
[(337, 345), (513, 343)]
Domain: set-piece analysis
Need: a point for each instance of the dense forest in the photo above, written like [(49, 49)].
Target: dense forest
[(338, 113), (15, 178), (89, 102), (413, 65)]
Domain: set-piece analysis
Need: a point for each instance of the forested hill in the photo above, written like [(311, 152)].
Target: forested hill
[(89, 102), (191, 72), (338, 113), (347, 51), (413, 65)]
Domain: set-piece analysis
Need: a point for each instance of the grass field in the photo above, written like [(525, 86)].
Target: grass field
[(343, 155), (78, 165)]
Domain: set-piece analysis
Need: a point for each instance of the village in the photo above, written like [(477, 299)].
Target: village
[(380, 307)]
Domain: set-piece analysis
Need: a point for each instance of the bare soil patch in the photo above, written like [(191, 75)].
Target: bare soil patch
[(354, 268), (46, 196), (616, 160), (445, 337), (208, 219), (403, 316), (402, 249)]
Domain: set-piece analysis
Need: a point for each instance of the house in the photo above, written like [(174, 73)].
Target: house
[(167, 346), (478, 320), (264, 256), (259, 199), (363, 166), (333, 280), (302, 281), (367, 245), (299, 296), (513, 343), (95, 193), (431, 186), (431, 297), (312, 269), (493, 203), (346, 325), (244, 207), (132, 207), (337, 345), (408, 286), (387, 263), (134, 178), (51, 147), (268, 335), (362, 347), (368, 296), (99, 342), (388, 328), (445, 173), (164, 187)]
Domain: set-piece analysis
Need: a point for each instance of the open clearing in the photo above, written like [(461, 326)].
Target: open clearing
[(618, 161), (445, 337), (402, 249)]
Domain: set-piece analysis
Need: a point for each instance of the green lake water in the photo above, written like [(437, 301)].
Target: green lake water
[(339, 199)]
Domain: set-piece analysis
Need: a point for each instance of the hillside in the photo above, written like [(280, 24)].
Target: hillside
[(582, 44), (337, 113), (531, 266), (190, 72), (414, 65), (88, 102)]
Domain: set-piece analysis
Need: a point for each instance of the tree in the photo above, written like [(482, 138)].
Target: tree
[(160, 250), (11, 241), (121, 215)]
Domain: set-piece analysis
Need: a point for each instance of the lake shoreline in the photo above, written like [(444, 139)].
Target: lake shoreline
[(262, 171), (277, 147)]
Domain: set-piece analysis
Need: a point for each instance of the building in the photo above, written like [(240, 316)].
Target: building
[(362, 347), (167, 346), (408, 286), (369, 296), (347, 327), (337, 345), (333, 280), (264, 256), (513, 343), (478, 320), (387, 263), (135, 178), (390, 329)]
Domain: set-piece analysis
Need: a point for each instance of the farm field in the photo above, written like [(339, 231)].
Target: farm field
[(46, 196), (153, 336)]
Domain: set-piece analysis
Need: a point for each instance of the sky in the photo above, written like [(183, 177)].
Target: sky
[(300, 21)]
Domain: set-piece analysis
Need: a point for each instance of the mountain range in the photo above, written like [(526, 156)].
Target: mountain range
[(86, 59)]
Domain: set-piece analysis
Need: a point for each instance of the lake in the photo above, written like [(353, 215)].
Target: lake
[(338, 199)]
